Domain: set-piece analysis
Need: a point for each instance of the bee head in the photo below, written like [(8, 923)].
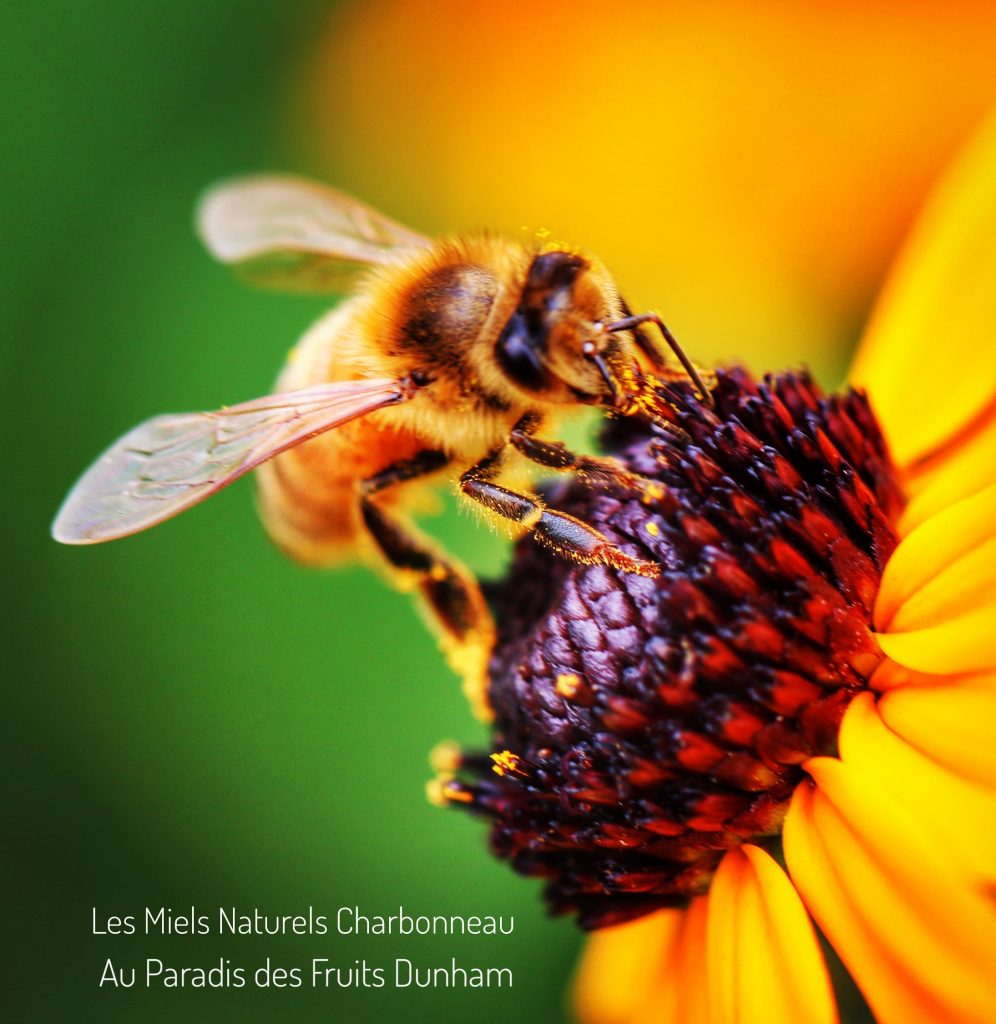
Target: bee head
[(554, 345)]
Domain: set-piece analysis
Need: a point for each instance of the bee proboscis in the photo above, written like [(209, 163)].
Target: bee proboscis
[(448, 358)]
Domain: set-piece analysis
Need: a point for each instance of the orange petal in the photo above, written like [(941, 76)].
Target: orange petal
[(920, 943), (928, 358), (622, 966), (953, 723), (938, 569), (954, 812), (649, 971), (764, 959), (968, 468)]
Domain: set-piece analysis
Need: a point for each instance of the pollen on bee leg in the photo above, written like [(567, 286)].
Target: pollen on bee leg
[(468, 658)]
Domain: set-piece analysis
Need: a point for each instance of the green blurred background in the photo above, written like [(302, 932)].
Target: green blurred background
[(193, 719)]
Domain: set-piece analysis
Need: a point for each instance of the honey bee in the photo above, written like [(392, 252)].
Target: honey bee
[(448, 360)]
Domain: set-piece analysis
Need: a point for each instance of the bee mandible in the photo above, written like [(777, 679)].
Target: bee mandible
[(448, 358)]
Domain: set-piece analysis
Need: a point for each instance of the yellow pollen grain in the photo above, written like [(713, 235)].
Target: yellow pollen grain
[(653, 492), (652, 528), (568, 684), (505, 762), (438, 572)]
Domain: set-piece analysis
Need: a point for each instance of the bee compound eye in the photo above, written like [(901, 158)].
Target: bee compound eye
[(518, 351)]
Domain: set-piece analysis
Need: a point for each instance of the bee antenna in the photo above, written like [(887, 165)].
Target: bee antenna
[(648, 347)]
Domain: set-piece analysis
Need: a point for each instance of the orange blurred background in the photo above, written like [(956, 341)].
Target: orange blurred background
[(747, 168)]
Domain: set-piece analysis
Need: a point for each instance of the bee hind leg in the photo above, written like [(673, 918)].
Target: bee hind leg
[(450, 592)]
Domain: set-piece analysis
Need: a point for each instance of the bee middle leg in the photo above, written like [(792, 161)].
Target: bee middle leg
[(558, 531), (449, 589)]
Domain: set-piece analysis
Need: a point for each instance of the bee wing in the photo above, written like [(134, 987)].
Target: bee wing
[(166, 464), (285, 232)]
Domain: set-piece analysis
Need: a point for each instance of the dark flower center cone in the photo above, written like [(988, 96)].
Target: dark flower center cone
[(644, 726)]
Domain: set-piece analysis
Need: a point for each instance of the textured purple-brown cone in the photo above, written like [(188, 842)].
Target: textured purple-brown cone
[(644, 726)]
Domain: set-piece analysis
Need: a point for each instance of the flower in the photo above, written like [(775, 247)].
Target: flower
[(813, 677)]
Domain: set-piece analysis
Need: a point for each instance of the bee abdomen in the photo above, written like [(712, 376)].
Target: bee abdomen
[(310, 516)]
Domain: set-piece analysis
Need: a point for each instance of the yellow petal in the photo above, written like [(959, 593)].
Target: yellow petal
[(919, 945), (892, 991), (965, 643), (890, 675), (936, 572), (682, 995), (622, 966), (959, 588), (966, 469), (954, 812), (928, 358), (764, 960), (953, 723), (861, 882)]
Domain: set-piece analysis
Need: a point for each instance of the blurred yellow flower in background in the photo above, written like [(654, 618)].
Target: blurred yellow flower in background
[(747, 167), (890, 844)]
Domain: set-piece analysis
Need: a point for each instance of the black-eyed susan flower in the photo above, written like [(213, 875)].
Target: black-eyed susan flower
[(810, 683)]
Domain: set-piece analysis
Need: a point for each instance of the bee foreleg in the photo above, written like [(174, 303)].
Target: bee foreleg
[(632, 323), (557, 530)]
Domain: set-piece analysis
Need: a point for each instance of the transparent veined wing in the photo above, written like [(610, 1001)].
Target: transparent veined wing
[(290, 233), (169, 463)]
